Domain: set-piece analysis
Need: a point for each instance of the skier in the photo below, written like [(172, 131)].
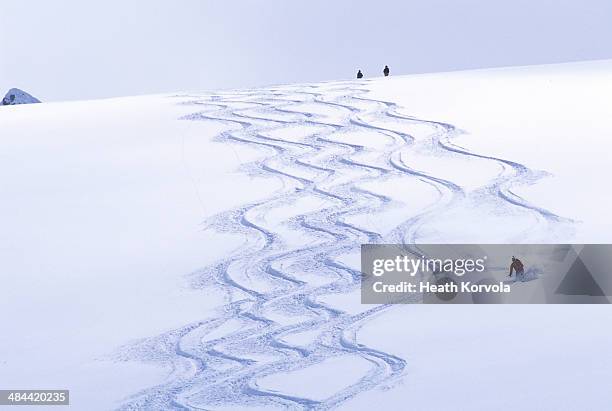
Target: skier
[(359, 74), (517, 266), (386, 71)]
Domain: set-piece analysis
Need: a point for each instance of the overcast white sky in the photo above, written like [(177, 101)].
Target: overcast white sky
[(75, 49)]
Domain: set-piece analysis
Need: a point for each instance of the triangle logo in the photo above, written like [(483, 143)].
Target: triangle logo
[(579, 281)]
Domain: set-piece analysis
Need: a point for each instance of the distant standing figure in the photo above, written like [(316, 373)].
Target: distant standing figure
[(359, 74), (516, 266), (386, 71)]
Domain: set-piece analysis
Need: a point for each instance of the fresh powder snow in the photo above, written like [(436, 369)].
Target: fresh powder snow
[(201, 250)]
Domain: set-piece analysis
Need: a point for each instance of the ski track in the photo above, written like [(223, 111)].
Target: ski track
[(225, 370)]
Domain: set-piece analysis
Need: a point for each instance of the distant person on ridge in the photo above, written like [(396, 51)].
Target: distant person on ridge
[(516, 266), (359, 74), (386, 71)]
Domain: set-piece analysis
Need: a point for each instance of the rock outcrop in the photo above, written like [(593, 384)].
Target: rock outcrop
[(16, 96)]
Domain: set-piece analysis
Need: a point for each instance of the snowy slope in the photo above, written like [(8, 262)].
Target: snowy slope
[(201, 250)]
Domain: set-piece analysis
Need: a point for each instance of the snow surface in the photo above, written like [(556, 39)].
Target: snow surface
[(201, 250)]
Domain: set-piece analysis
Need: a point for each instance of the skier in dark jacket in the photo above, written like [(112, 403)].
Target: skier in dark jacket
[(516, 266), (386, 71), (359, 74)]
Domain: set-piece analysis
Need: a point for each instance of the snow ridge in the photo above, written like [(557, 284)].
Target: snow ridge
[(275, 288)]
